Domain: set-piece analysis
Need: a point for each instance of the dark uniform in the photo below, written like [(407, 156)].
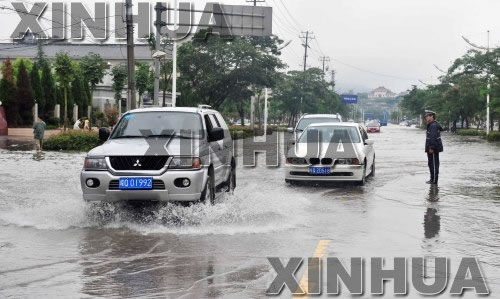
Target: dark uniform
[(433, 142)]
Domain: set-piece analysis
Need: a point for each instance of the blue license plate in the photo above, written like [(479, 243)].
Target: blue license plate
[(138, 183), (319, 170)]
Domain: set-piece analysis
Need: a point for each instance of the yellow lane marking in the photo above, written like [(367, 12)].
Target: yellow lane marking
[(319, 252)]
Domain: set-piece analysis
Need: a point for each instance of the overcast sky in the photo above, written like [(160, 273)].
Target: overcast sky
[(371, 43)]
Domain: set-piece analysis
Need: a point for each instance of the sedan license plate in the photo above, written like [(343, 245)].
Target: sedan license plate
[(137, 183), (319, 170)]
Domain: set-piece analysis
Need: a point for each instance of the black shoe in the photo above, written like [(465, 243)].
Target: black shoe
[(429, 182)]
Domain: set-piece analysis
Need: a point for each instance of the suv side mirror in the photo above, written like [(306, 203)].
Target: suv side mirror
[(104, 134), (215, 134), (290, 130)]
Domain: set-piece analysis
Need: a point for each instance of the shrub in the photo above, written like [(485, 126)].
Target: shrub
[(54, 121), (471, 132), (242, 132), (73, 141), (494, 136), (112, 115)]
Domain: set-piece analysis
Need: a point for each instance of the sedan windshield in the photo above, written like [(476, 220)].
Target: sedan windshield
[(373, 124), (333, 134), (159, 124), (305, 122)]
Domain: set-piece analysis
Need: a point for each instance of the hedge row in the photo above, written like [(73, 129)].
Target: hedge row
[(471, 132), (72, 141), (239, 132), (494, 136)]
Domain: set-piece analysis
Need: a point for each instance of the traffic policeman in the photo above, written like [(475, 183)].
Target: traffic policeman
[(433, 145)]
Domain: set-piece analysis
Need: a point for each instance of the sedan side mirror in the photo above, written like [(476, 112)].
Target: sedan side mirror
[(369, 142), (104, 134), (289, 130), (215, 134)]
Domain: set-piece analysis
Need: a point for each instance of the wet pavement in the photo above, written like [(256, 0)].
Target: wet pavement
[(52, 244)]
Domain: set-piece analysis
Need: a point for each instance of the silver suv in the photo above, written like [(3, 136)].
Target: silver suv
[(161, 154)]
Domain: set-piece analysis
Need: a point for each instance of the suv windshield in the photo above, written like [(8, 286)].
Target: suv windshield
[(181, 124), (331, 134), (307, 121)]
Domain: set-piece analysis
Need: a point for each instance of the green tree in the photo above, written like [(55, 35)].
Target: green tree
[(48, 90), (41, 58), (93, 69), (215, 69), (119, 73), (78, 93), (36, 86), (64, 71), (24, 95), (8, 92), (142, 79)]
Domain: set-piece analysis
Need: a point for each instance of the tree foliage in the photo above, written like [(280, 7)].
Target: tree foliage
[(24, 96), (8, 92), (119, 73)]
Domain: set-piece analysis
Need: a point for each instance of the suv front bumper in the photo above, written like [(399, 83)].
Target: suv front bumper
[(171, 192)]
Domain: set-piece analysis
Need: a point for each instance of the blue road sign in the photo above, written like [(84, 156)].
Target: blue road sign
[(349, 99)]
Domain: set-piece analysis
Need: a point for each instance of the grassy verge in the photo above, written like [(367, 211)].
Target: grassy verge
[(71, 140)]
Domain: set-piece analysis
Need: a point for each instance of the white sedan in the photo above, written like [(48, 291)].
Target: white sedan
[(331, 152)]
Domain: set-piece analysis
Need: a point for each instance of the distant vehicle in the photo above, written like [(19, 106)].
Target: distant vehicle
[(405, 123), (383, 122), (373, 127), (307, 120), (122, 169), (304, 166)]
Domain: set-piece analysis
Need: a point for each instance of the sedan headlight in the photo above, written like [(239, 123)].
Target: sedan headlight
[(95, 164), (185, 163), (296, 161), (348, 161)]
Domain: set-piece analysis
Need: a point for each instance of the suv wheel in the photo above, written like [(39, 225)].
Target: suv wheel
[(231, 180), (208, 194)]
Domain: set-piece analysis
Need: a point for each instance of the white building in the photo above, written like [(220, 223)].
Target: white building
[(112, 53), (381, 92)]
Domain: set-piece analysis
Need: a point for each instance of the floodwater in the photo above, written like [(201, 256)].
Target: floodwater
[(52, 244)]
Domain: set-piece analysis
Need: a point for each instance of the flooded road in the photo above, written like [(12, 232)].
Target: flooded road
[(52, 244)]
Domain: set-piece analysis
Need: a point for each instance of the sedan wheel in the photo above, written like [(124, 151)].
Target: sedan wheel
[(373, 169)]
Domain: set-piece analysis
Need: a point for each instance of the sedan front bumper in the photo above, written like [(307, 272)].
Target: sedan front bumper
[(348, 173), (163, 187)]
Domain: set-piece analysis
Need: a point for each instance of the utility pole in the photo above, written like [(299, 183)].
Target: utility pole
[(159, 8), (255, 1), (174, 59), (488, 95), (324, 59), (308, 38), (332, 72), (131, 101)]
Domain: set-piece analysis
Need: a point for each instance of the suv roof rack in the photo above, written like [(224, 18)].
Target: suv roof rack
[(203, 107)]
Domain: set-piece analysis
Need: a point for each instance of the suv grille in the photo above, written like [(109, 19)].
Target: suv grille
[(138, 162), (157, 185)]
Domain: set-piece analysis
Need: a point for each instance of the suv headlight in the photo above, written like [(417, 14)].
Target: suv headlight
[(95, 163), (185, 163)]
